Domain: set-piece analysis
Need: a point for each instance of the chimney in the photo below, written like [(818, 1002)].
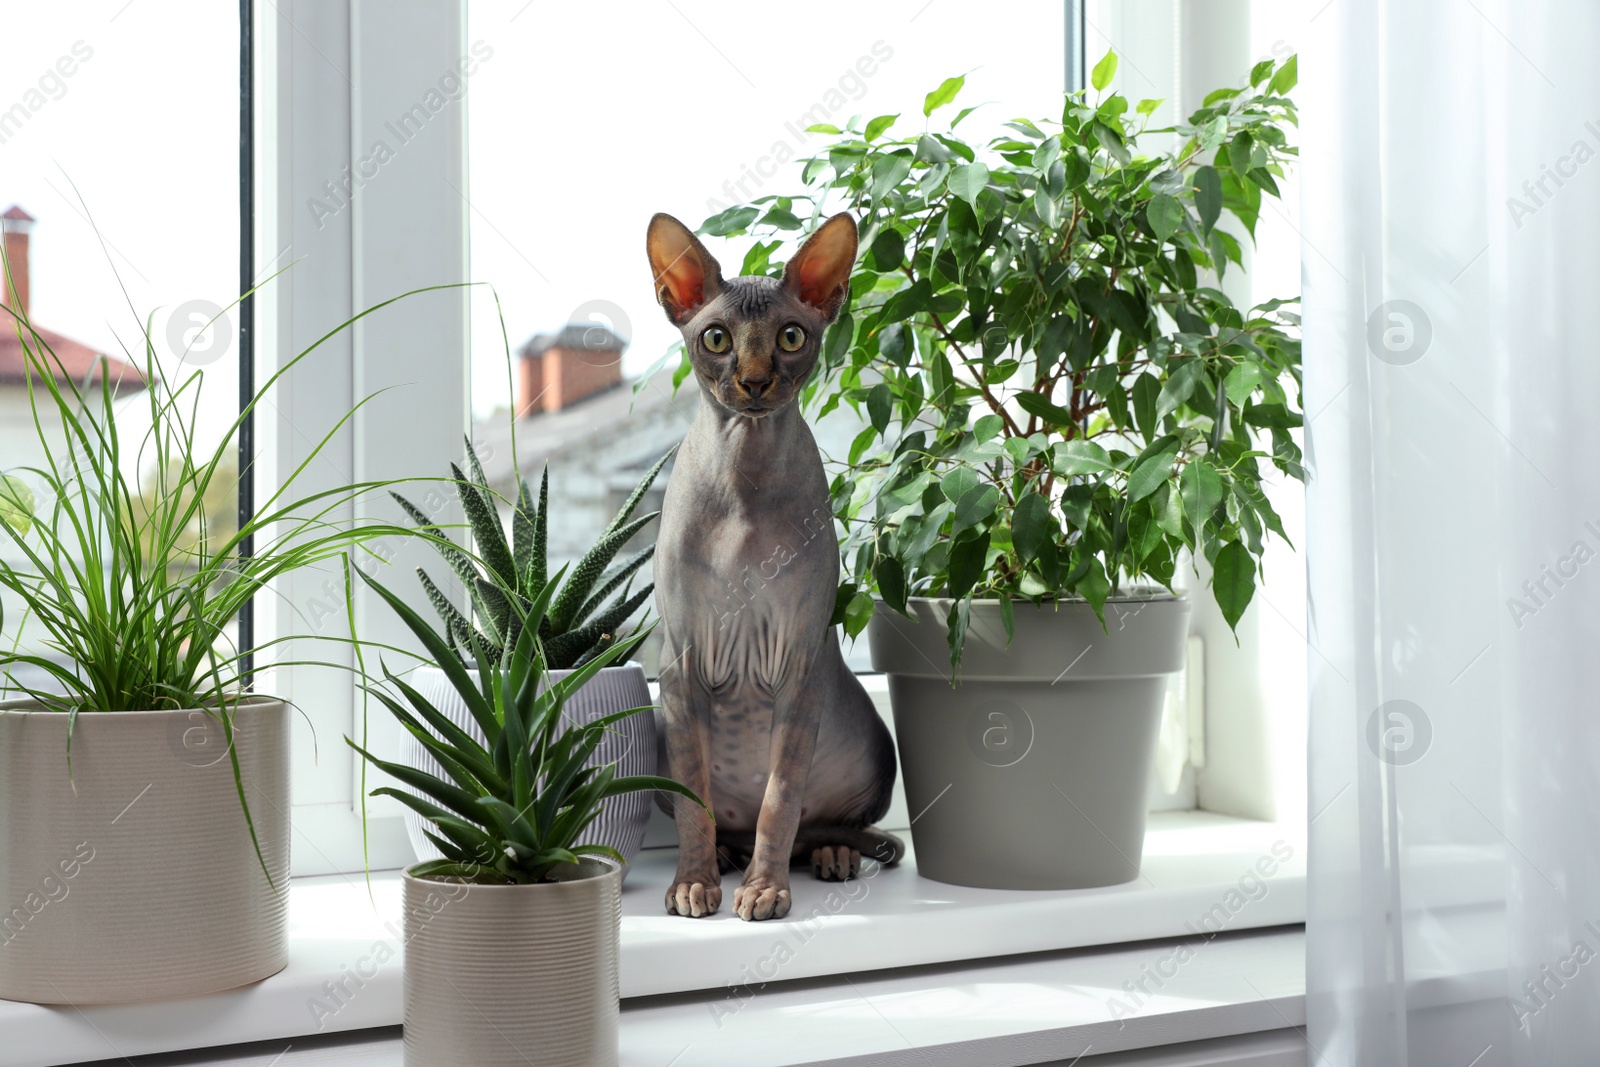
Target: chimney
[(16, 224), (558, 370)]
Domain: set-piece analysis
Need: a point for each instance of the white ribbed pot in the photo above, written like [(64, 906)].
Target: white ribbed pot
[(631, 744), (509, 975), (135, 879)]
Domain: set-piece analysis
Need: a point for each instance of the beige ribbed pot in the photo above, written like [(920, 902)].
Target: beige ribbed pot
[(512, 975), (135, 878)]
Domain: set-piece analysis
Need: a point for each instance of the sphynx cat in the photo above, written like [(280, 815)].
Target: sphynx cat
[(763, 719)]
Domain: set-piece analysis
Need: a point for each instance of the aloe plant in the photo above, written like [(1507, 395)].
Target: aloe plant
[(506, 579), (512, 810)]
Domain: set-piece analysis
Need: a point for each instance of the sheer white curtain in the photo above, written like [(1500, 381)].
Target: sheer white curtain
[(1452, 285)]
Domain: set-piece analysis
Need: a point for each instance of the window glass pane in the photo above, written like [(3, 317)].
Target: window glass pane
[(581, 129), (119, 139)]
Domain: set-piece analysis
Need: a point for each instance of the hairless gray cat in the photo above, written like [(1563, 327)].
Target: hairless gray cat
[(763, 719)]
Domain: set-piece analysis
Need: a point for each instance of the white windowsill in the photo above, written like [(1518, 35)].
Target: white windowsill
[(1237, 1000), (1195, 865)]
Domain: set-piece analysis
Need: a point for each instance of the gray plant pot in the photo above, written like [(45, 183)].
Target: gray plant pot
[(141, 883), (513, 975), (1033, 772), (630, 743)]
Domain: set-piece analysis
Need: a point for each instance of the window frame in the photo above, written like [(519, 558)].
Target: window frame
[(324, 80), (328, 76)]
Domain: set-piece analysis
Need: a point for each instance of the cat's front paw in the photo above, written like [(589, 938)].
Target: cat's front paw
[(761, 898), (694, 896)]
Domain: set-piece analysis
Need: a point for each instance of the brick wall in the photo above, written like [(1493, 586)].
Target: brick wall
[(559, 377)]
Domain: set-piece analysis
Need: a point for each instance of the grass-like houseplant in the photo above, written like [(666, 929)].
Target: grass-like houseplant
[(145, 752), (522, 966), (1061, 404), (586, 613)]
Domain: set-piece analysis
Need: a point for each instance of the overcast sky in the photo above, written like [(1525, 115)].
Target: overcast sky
[(146, 126), (584, 123)]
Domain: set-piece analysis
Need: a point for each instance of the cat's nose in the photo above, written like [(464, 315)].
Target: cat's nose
[(755, 386)]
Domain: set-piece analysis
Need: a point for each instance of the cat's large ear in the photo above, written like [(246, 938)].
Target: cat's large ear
[(819, 273), (687, 276)]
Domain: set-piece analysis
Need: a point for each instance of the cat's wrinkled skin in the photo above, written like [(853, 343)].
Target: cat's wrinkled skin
[(763, 719)]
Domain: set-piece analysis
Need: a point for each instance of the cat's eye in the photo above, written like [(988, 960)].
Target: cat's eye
[(715, 339), (790, 338)]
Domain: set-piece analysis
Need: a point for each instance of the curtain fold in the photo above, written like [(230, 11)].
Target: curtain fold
[(1451, 246)]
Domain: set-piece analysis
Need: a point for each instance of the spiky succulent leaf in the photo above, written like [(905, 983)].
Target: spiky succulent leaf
[(640, 490), (588, 571), (493, 610), (522, 522), (488, 536), (477, 475), (566, 648), (538, 572), (454, 620), (459, 561), (612, 580)]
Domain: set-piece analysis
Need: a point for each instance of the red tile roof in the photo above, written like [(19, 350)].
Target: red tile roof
[(74, 360), (15, 213)]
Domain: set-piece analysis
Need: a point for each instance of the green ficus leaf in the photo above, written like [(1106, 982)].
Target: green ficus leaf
[(1233, 581), (1241, 382), (966, 563), (1177, 389), (890, 577), (1166, 215), (857, 613), (1095, 587), (1036, 405), (878, 125), (975, 505), (1078, 456), (733, 220), (1031, 526), (1288, 76), (1202, 490), (888, 249), (1151, 473), (1104, 71), (1207, 197), (888, 172), (968, 181), (880, 406), (862, 442), (943, 95), (958, 483)]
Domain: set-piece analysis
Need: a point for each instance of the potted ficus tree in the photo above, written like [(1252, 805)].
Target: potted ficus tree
[(144, 788), (512, 933), (590, 607), (1063, 407)]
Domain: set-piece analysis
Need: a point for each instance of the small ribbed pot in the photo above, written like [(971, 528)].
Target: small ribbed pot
[(1034, 771), (509, 975), (143, 884), (631, 744)]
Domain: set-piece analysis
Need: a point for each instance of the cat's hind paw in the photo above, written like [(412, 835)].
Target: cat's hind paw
[(835, 863)]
